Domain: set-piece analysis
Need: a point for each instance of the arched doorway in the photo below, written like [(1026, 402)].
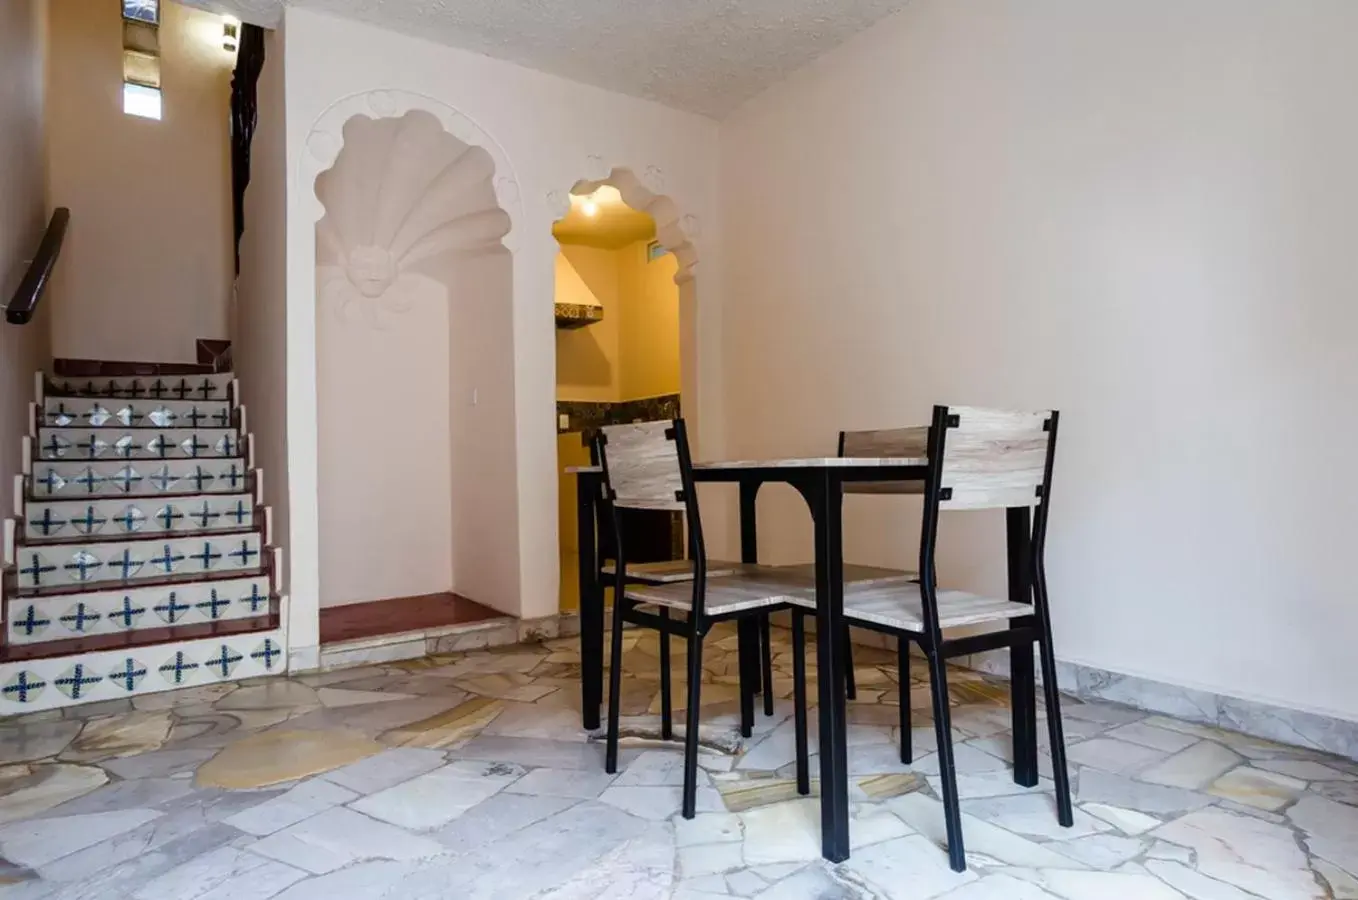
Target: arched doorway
[(414, 361)]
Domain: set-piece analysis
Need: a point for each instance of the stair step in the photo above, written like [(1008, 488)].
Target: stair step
[(146, 637), (49, 570), (185, 387), (36, 684), (180, 443), (147, 478), (52, 522), (119, 612), (106, 412)]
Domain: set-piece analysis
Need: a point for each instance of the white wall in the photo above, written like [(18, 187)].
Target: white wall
[(148, 265), (259, 329), (1141, 213), (544, 134), (23, 349)]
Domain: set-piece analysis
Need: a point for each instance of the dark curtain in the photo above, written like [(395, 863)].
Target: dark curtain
[(244, 116)]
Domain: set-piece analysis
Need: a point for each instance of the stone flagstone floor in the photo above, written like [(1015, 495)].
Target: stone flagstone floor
[(468, 776)]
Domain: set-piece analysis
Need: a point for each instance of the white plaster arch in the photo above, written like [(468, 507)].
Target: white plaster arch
[(325, 140)]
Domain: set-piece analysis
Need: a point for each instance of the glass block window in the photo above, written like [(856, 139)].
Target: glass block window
[(139, 100), (142, 11), (141, 68)]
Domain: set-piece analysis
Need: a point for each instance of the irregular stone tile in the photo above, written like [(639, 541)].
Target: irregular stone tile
[(274, 757), (711, 695), (990, 784), (339, 837), (657, 768), (379, 880), (1150, 736), (28, 790), (752, 793), (116, 736), (334, 698), (1169, 852), (577, 783), (709, 859), (273, 694), (535, 721), (1000, 887), (493, 663), (925, 815), (145, 793), (539, 753), (1194, 768), (658, 803), (708, 828), (1339, 791), (228, 872), (1257, 788), (1033, 815), (506, 686), (1251, 747), (436, 798), (497, 819), (1194, 884), (1128, 821), (1244, 851), (640, 869), (1304, 769), (1117, 790), (1343, 885), (1102, 851), (1119, 757), (207, 693), (213, 730), (1106, 885), (873, 825), (157, 764), (37, 842), (882, 787), (641, 730), (301, 802), (909, 868), (390, 767), (782, 833), (1331, 829), (1102, 713), (36, 740), (10, 874), (967, 760), (744, 883), (446, 729)]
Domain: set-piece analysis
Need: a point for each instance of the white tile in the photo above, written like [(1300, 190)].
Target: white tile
[(909, 868), (1110, 755), (659, 803), (228, 873), (709, 859), (365, 881), (1245, 851), (579, 783), (708, 828), (1033, 815), (657, 768), (1194, 884), (1331, 830), (1128, 821), (1000, 887), (38, 842), (925, 815), (1106, 886), (1102, 851), (387, 768), (1156, 738), (874, 825), (745, 883), (1306, 770), (339, 837), (782, 832), (335, 698), (967, 759), (438, 797), (1258, 788), (305, 800), (1194, 768), (812, 881)]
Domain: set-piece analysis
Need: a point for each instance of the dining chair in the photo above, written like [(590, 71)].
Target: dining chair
[(648, 466), (978, 459)]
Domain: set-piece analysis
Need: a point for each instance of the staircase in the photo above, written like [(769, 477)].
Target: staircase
[(140, 557)]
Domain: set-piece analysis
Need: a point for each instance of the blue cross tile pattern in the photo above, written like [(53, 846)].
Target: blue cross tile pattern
[(142, 443), (71, 478), (56, 520)]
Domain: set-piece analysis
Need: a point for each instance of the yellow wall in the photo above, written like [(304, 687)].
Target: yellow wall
[(648, 340), (587, 358)]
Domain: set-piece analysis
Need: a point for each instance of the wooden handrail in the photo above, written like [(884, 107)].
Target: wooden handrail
[(34, 284)]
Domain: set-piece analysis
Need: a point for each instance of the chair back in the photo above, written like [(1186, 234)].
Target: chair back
[(990, 458), (881, 444)]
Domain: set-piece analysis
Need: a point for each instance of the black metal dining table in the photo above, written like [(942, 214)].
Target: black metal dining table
[(820, 481)]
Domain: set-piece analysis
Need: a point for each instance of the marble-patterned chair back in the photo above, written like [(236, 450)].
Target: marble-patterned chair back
[(642, 467), (994, 458), (882, 444)]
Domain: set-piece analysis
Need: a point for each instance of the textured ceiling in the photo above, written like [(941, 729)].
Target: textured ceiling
[(705, 56)]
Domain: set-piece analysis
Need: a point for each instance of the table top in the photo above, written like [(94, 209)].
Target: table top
[(809, 462)]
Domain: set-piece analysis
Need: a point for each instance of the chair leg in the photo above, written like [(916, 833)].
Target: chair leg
[(903, 673), (666, 681), (799, 701), (747, 630), (614, 688), (947, 768), (1052, 694), (766, 662), (692, 720), (850, 686)]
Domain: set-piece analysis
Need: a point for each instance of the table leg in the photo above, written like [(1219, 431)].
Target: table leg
[(591, 604), (748, 635), (1022, 679), (827, 503)]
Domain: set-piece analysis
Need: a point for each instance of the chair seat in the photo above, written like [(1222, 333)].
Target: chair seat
[(755, 587), (670, 570), (900, 605), (854, 574)]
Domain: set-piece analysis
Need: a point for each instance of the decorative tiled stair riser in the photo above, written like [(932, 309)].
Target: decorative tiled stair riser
[(148, 478), (139, 560)]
